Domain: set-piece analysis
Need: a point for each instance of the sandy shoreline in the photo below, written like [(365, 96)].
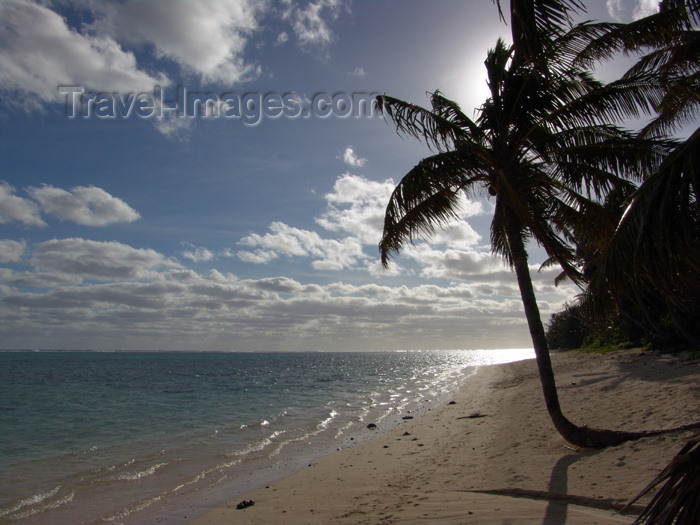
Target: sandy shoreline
[(508, 466)]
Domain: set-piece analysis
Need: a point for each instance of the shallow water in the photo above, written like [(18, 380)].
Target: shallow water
[(93, 437)]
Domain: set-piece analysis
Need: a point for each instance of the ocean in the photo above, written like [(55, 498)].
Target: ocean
[(131, 437)]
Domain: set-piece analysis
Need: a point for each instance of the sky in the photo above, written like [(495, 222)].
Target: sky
[(180, 175)]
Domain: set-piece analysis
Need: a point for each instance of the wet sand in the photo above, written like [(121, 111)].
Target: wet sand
[(493, 457)]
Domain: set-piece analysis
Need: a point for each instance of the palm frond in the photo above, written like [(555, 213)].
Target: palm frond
[(671, 59), (567, 48), (598, 104), (499, 235), (680, 105), (671, 191), (692, 7), (533, 200), (668, 45), (451, 112), (676, 502), (594, 160), (436, 129), (654, 255), (427, 198), (646, 33), (534, 22)]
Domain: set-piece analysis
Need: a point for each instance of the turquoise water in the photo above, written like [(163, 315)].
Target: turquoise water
[(93, 437)]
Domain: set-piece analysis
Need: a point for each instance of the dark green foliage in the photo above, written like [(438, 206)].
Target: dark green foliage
[(612, 339), (567, 329), (573, 329)]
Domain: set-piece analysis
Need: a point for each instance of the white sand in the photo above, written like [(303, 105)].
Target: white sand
[(508, 467)]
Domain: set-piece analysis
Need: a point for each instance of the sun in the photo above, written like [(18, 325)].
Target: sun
[(468, 88), (466, 81)]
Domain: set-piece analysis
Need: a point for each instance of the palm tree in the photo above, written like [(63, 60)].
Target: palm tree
[(544, 146), (649, 268), (535, 24), (668, 45), (660, 231)]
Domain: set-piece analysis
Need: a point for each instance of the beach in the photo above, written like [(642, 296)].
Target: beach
[(491, 455), (133, 437)]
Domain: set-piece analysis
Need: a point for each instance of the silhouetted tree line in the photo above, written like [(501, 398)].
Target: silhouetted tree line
[(641, 255)]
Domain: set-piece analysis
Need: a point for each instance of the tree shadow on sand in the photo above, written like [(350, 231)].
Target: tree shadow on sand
[(655, 367), (557, 497)]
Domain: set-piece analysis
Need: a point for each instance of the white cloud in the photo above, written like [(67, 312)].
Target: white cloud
[(458, 235), (181, 309), (282, 38), (462, 264), (198, 254), (357, 72), (339, 254), (349, 189), (375, 269), (39, 52), (86, 205), (283, 285), (96, 260), (627, 10), (36, 279), (11, 251), (350, 158), (355, 211), (356, 207), (257, 256), (18, 209), (285, 240), (310, 25), (171, 125), (106, 295), (205, 38)]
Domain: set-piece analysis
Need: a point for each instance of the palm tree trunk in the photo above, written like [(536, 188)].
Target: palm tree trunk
[(574, 434)]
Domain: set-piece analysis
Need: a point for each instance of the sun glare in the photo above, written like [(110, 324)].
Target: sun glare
[(474, 92), (467, 85)]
